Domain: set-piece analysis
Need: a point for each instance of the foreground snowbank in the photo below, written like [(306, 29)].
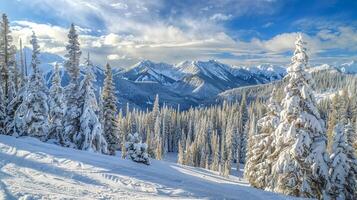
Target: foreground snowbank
[(30, 169)]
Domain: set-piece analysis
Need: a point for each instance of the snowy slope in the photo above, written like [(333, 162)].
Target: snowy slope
[(30, 169)]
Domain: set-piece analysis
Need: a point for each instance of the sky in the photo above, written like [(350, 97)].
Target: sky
[(237, 32)]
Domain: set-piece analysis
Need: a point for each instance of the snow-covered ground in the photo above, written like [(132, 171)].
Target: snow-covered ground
[(30, 169)]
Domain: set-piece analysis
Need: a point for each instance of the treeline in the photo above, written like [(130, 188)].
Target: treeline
[(70, 116), (210, 137)]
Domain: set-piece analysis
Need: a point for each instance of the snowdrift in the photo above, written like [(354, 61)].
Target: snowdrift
[(30, 169)]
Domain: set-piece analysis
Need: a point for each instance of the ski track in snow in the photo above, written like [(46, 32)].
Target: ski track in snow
[(30, 169)]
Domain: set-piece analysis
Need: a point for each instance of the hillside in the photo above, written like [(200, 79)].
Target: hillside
[(30, 169)]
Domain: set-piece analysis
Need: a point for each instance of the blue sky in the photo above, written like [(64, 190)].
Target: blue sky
[(237, 32)]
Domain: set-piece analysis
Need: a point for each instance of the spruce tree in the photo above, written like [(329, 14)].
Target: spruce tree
[(228, 153), (73, 99), (110, 125), (2, 111), (301, 169), (343, 171), (7, 54), (56, 109), (259, 164), (35, 119), (90, 137), (7, 75), (243, 129), (137, 150), (157, 138), (249, 171)]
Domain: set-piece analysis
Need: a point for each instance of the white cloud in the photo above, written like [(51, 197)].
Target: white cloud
[(220, 17), (113, 57), (133, 30)]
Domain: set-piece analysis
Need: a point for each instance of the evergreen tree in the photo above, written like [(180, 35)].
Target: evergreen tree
[(56, 109), (158, 140), (244, 142), (110, 125), (343, 171), (302, 165), (7, 52), (228, 148), (259, 162), (243, 128), (8, 75), (90, 137), (180, 159), (35, 119), (73, 99), (2, 111), (137, 150), (249, 171)]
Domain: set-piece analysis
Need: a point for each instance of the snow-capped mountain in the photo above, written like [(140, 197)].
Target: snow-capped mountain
[(189, 83), (349, 67), (323, 67), (266, 71), (148, 71)]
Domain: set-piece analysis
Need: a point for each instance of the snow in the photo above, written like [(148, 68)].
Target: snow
[(271, 71), (349, 67), (211, 68), (30, 169)]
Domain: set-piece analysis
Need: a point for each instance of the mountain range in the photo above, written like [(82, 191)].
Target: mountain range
[(189, 83)]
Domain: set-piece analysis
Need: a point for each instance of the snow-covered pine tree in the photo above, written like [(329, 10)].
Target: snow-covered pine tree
[(7, 52), (259, 159), (343, 170), (243, 128), (244, 142), (110, 125), (251, 162), (56, 109), (157, 137), (22, 64), (2, 111), (7, 70), (301, 168), (228, 154), (35, 120), (73, 113), (90, 137), (137, 150), (180, 157)]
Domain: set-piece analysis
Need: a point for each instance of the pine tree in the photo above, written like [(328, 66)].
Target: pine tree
[(35, 120), (249, 171), (259, 164), (244, 142), (73, 99), (137, 150), (301, 168), (110, 125), (228, 148), (157, 138), (243, 129), (2, 111), (56, 109), (90, 137), (7, 75), (180, 159), (343, 171), (7, 52)]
